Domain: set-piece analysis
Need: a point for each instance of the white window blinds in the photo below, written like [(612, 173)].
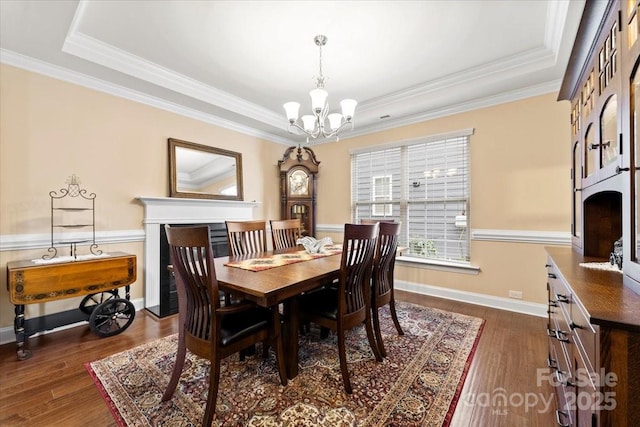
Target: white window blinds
[(425, 185)]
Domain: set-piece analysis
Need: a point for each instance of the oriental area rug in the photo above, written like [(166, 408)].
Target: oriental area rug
[(417, 384)]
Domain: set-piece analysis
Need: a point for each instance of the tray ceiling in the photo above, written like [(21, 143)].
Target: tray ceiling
[(234, 63)]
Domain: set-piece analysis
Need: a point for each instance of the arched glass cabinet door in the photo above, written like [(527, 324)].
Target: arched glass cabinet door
[(592, 153), (609, 143), (577, 196), (635, 184)]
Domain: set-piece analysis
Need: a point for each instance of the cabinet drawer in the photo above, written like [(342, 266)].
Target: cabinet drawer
[(585, 336), (559, 351), (560, 324), (559, 291), (586, 398), (564, 414)]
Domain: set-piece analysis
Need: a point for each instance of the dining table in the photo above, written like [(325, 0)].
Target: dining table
[(277, 277)]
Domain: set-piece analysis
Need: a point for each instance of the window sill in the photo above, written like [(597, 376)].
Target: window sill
[(451, 267)]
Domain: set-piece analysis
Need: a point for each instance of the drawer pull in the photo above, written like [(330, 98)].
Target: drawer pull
[(551, 276), (552, 363), (562, 336), (574, 325), (553, 303), (547, 265), (562, 414), (551, 333), (562, 298)]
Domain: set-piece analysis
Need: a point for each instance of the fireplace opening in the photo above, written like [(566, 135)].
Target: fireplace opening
[(602, 223), (168, 294)]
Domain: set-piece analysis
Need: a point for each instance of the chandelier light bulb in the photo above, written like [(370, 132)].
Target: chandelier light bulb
[(348, 108), (318, 100), (335, 120), (309, 123), (292, 109)]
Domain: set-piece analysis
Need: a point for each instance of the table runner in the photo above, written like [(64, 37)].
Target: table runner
[(278, 260)]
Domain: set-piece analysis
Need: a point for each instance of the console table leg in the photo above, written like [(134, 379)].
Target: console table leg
[(18, 328)]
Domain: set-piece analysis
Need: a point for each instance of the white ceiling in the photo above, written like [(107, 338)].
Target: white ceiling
[(234, 63)]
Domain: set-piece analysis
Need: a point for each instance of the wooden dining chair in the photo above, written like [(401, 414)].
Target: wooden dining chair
[(285, 233), (349, 304), (246, 237), (204, 327), (384, 263)]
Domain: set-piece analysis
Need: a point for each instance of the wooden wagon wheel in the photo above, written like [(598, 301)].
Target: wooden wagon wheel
[(112, 317), (89, 302)]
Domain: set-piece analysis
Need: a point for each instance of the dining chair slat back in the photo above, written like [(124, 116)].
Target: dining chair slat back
[(285, 233), (204, 327), (382, 280), (246, 237), (348, 304)]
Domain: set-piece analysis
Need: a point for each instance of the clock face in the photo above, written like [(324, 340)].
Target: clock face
[(299, 183)]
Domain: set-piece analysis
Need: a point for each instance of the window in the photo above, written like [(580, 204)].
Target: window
[(425, 185), (382, 193)]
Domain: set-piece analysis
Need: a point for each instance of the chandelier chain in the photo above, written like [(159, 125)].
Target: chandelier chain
[(320, 41)]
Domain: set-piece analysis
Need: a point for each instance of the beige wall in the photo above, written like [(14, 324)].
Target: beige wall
[(520, 160), (51, 129)]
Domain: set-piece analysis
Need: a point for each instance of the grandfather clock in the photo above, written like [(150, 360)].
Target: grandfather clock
[(298, 170)]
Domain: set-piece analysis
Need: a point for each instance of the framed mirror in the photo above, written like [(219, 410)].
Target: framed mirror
[(204, 172)]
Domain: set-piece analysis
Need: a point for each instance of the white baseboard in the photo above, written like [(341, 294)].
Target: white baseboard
[(7, 334), (524, 307)]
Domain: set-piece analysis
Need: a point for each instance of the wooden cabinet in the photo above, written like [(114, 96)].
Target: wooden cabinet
[(600, 82), (298, 171), (594, 315), (594, 343)]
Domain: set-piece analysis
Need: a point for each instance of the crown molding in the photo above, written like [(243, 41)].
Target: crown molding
[(502, 69), (100, 53), (93, 50), (463, 107), (18, 60), (557, 12), (37, 66)]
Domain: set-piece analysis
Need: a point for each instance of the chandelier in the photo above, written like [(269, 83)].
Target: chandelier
[(314, 125)]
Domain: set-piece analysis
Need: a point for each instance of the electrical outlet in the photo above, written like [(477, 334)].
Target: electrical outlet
[(515, 294)]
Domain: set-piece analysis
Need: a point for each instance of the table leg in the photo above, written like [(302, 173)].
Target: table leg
[(18, 328), (291, 336)]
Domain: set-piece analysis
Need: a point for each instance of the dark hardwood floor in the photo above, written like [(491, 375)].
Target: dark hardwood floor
[(53, 388)]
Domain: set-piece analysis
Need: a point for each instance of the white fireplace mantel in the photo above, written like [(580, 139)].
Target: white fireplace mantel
[(173, 210)]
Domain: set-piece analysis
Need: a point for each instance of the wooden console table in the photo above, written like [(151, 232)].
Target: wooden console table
[(96, 277)]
